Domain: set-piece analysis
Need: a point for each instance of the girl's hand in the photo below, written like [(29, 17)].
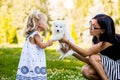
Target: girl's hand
[(50, 42)]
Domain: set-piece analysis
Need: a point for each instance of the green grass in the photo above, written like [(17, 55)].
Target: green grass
[(67, 69)]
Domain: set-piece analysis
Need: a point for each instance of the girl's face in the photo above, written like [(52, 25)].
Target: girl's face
[(42, 24), (94, 28)]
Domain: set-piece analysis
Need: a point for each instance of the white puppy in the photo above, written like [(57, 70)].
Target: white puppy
[(59, 29)]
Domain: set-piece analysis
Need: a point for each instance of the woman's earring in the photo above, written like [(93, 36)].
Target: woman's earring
[(102, 32)]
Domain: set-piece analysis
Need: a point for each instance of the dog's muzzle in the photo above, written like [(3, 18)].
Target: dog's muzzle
[(58, 30)]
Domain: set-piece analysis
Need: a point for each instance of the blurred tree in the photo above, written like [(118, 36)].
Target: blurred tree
[(112, 8), (78, 15), (13, 15), (74, 34), (8, 36), (118, 20), (18, 10)]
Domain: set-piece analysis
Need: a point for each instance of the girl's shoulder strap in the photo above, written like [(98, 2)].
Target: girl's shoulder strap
[(32, 34)]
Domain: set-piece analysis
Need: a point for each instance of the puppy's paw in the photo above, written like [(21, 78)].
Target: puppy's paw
[(69, 53), (61, 57)]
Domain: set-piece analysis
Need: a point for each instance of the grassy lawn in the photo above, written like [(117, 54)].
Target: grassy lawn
[(67, 69)]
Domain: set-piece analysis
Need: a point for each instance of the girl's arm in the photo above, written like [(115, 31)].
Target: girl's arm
[(40, 43)]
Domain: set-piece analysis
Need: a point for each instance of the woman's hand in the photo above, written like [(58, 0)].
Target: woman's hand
[(65, 48), (64, 39)]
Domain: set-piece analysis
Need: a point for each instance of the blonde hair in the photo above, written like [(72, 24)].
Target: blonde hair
[(33, 17)]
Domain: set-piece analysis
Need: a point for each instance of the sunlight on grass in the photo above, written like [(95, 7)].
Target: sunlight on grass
[(63, 74), (66, 69), (66, 60)]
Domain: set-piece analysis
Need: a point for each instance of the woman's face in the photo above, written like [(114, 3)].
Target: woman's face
[(94, 28)]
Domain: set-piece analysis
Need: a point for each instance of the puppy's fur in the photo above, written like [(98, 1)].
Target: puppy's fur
[(59, 29)]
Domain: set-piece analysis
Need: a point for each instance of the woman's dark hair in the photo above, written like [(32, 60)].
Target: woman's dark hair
[(107, 24)]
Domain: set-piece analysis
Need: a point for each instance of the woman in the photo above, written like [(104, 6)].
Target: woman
[(103, 57)]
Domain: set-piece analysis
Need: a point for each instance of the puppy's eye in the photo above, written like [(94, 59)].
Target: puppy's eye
[(56, 26), (60, 26)]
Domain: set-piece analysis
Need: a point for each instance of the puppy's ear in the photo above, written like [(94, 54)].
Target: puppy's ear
[(64, 24), (55, 22)]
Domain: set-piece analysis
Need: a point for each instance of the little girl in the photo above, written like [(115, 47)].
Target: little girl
[(32, 65)]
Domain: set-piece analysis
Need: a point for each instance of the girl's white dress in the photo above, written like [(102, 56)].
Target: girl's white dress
[(32, 65)]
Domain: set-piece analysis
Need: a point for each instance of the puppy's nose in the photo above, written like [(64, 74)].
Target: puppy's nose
[(57, 30)]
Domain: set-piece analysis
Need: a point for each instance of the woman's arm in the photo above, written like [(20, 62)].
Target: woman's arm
[(95, 49), (81, 58), (78, 56)]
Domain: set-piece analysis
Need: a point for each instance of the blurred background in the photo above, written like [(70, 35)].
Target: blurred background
[(76, 14)]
